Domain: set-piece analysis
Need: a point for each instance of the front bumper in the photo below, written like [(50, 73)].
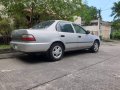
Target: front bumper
[(30, 47)]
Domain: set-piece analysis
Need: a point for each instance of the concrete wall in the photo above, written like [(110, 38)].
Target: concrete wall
[(106, 31), (92, 29), (77, 20)]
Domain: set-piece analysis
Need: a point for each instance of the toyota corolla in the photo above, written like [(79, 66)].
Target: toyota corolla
[(54, 37)]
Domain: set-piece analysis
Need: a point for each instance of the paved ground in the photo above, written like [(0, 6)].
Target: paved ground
[(79, 70)]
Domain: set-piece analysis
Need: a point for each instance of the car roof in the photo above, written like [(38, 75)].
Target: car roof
[(67, 21), (63, 21)]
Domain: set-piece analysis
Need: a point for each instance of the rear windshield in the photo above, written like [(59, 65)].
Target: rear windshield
[(43, 25)]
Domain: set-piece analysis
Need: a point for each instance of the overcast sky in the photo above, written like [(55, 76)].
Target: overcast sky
[(105, 6)]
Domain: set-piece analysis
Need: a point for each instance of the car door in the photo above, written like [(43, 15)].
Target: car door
[(67, 34), (84, 40)]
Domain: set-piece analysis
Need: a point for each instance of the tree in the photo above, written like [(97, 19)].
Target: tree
[(88, 13), (40, 10), (116, 25), (116, 22), (5, 29), (116, 14), (116, 10)]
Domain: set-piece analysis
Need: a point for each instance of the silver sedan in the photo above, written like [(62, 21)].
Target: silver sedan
[(54, 37)]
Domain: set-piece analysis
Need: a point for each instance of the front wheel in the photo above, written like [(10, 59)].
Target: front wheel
[(56, 52), (95, 47)]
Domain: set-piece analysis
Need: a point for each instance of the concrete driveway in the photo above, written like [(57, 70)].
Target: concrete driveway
[(78, 70)]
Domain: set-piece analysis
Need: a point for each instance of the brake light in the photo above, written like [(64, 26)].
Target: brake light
[(28, 37)]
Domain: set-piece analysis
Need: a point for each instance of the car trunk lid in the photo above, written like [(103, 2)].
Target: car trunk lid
[(17, 34), (23, 35)]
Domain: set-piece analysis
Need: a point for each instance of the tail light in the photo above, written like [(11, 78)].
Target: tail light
[(28, 37)]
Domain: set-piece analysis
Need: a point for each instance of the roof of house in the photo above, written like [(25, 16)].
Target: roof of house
[(106, 23), (102, 22)]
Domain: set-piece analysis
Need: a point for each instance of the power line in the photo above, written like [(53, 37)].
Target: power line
[(106, 9), (107, 3), (106, 6)]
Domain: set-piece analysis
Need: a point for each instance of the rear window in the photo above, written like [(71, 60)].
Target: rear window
[(43, 25)]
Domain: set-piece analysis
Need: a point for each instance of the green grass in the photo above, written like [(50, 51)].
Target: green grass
[(4, 46)]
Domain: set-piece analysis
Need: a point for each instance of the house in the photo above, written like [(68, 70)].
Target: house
[(102, 29)]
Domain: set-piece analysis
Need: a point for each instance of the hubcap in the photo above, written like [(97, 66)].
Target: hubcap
[(57, 52), (96, 46)]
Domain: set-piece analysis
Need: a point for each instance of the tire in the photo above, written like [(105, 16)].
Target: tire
[(55, 52), (95, 47)]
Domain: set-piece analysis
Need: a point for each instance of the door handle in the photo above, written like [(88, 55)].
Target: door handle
[(62, 36), (79, 36)]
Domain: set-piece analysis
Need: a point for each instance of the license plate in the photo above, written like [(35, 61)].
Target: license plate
[(15, 46)]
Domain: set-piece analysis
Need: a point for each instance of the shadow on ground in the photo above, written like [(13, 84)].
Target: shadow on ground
[(42, 58)]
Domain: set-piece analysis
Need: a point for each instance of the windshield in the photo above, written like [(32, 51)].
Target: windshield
[(43, 25)]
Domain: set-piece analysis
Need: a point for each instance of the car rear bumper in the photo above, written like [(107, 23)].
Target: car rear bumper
[(30, 47)]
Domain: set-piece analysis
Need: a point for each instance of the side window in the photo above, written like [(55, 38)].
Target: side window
[(65, 27), (79, 29)]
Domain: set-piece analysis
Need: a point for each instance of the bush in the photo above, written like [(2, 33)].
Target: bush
[(116, 35), (2, 40), (20, 22), (5, 30)]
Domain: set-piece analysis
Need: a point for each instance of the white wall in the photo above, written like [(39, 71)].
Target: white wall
[(91, 28), (77, 20)]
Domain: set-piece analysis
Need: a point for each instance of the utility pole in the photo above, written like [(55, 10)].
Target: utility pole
[(99, 24)]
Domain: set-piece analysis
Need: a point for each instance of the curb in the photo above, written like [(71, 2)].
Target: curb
[(9, 55), (3, 51)]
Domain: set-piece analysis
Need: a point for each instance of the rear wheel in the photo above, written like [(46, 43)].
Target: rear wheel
[(95, 47), (56, 52)]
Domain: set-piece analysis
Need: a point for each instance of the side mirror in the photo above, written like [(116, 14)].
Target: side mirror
[(87, 32)]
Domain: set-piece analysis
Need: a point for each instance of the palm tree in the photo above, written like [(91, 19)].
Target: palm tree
[(116, 10)]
